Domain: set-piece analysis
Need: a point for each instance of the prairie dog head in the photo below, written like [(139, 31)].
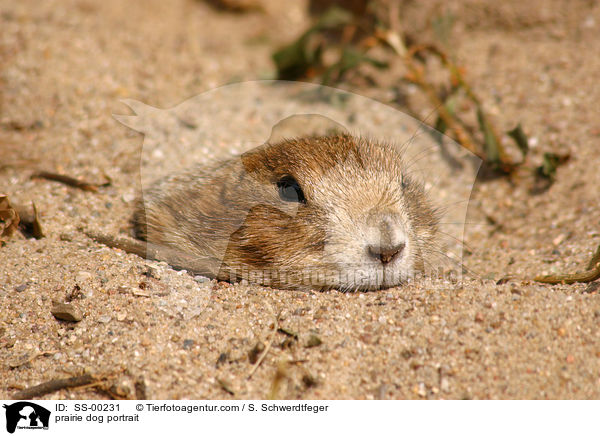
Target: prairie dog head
[(317, 212)]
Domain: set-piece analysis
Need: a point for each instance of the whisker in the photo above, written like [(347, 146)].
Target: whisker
[(422, 123), (463, 266), (470, 223), (447, 206), (419, 156)]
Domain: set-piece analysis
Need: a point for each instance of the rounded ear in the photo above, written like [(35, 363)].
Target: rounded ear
[(143, 114), (296, 126)]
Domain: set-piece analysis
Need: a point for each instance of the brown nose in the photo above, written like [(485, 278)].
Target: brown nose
[(386, 254)]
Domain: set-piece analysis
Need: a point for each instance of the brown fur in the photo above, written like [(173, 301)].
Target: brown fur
[(231, 222)]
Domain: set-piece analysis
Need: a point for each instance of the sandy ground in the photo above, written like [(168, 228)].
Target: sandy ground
[(164, 334)]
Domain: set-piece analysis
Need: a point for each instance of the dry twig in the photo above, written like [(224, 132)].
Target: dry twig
[(54, 385), (69, 181), (591, 274)]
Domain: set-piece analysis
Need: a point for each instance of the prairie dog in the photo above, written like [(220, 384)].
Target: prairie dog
[(315, 212)]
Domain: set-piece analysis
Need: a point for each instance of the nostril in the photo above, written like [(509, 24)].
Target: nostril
[(386, 254)]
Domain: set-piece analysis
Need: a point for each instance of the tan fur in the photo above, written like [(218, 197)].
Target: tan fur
[(232, 223)]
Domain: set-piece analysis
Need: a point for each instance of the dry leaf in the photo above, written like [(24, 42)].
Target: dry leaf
[(9, 218)]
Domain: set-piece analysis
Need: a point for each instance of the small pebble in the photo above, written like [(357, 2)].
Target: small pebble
[(309, 381), (67, 237), (103, 278), (313, 341), (592, 287), (83, 276), (66, 312), (201, 279), (589, 22), (223, 357), (58, 356), (445, 385), (152, 271), (188, 343), (128, 197), (22, 287), (420, 390)]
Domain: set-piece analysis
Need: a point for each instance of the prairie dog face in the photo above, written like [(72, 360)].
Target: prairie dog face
[(318, 212), (347, 212)]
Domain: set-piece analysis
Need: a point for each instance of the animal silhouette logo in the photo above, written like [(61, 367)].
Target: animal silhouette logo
[(26, 415), (227, 128)]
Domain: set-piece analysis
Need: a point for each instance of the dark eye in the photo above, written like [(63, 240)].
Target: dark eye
[(290, 190)]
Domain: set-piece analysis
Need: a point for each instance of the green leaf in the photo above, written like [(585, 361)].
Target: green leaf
[(491, 146), (294, 60), (333, 17), (549, 165), (350, 59), (520, 139), (440, 125)]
